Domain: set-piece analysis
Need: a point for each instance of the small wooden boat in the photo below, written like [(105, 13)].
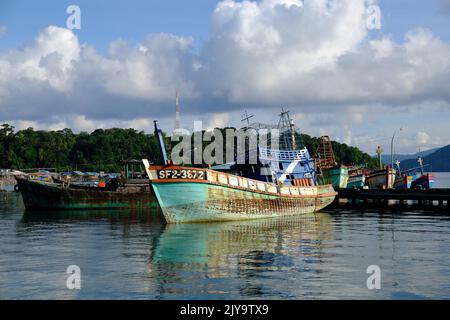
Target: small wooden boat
[(425, 181), (8, 181), (337, 176), (329, 171), (381, 179), (414, 178), (404, 181), (357, 178)]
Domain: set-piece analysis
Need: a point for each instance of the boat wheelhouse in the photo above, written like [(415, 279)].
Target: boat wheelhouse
[(280, 167)]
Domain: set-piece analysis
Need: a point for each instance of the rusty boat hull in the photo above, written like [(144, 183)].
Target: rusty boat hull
[(225, 197), (382, 179), (51, 196)]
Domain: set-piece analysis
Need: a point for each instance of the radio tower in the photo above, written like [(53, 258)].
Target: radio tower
[(177, 112)]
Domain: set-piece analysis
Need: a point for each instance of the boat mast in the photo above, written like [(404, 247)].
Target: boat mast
[(247, 117), (325, 154), (398, 168), (162, 147), (287, 130), (420, 161), (292, 126)]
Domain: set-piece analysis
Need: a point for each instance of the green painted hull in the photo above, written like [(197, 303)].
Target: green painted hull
[(356, 184), (183, 202), (337, 177), (356, 181), (50, 196)]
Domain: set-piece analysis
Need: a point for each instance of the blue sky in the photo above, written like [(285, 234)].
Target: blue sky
[(123, 67), (104, 21)]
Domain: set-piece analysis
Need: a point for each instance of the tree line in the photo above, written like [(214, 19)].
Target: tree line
[(103, 149)]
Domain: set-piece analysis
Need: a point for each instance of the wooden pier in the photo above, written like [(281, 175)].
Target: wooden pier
[(434, 198)]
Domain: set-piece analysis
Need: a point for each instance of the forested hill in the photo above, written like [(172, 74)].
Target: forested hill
[(103, 149), (438, 161)]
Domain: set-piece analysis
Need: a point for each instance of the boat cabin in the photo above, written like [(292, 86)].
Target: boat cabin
[(288, 167)]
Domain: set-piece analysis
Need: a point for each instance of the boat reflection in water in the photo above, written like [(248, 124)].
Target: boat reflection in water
[(236, 251), (129, 254), (151, 215), (135, 254)]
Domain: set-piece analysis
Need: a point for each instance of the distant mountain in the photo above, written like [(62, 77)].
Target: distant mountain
[(438, 161), (386, 158)]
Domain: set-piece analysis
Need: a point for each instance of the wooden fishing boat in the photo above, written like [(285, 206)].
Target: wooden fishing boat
[(8, 181), (381, 179), (425, 181), (54, 196), (337, 176), (329, 171), (129, 190), (414, 178), (404, 181), (356, 180), (203, 195)]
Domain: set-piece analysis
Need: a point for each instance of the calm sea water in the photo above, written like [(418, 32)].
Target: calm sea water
[(134, 255)]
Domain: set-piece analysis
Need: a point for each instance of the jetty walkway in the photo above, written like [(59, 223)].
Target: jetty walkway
[(422, 198)]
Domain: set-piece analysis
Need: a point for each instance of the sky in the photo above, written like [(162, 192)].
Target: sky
[(316, 58)]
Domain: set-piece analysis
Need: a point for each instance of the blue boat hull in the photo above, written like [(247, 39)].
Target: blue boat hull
[(425, 181), (183, 202)]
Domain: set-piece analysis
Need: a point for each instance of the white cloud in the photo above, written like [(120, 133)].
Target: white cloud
[(49, 59), (314, 57), (266, 48), (151, 70), (218, 120), (422, 138)]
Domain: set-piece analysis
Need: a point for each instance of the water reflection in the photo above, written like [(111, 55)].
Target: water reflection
[(135, 255), (156, 260), (125, 216), (247, 251)]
